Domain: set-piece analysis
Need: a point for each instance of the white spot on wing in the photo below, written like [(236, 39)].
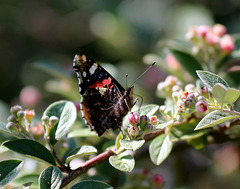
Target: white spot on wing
[(92, 69), (84, 74)]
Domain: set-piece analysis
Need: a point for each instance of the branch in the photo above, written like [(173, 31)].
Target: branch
[(100, 158)]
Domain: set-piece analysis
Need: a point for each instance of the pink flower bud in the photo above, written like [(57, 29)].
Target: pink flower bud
[(172, 62), (227, 43), (201, 106), (202, 30), (77, 105), (158, 179), (154, 120), (212, 38), (133, 131), (219, 30), (133, 118)]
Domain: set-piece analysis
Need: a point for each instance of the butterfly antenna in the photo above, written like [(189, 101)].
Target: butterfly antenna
[(144, 72), (126, 80)]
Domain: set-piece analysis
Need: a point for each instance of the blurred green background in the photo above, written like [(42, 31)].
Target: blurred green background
[(119, 32)]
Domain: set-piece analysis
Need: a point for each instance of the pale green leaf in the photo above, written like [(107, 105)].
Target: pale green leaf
[(132, 144), (123, 162), (210, 79), (214, 118), (81, 151), (160, 148)]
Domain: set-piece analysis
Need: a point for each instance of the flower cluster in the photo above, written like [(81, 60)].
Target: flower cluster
[(210, 39), (139, 124), (20, 120), (183, 102), (167, 87)]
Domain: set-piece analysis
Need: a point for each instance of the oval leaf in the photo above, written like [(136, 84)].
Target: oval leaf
[(189, 63), (214, 118), (149, 110), (81, 151), (66, 113), (132, 144), (50, 178), (9, 169), (30, 148), (93, 184), (160, 148), (210, 79), (123, 162), (224, 95)]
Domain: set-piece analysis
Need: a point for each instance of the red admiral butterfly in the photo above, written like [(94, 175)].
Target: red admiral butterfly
[(104, 102)]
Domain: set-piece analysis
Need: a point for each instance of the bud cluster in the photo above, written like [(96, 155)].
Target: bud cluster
[(20, 120), (209, 41), (140, 124), (167, 87), (186, 101)]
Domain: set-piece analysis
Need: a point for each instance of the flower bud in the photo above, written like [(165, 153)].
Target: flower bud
[(201, 106), (154, 120), (11, 126), (37, 131), (202, 30), (133, 131), (149, 127), (133, 118), (219, 29), (12, 118), (227, 43), (53, 121), (29, 115), (158, 179), (143, 121), (14, 110), (77, 105), (20, 114)]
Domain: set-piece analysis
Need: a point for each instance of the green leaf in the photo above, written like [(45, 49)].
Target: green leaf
[(93, 184), (160, 148), (210, 79), (85, 132), (189, 63), (132, 144), (149, 110), (117, 141), (163, 125), (224, 95), (9, 169), (31, 149), (185, 131), (214, 118), (123, 162), (66, 113), (50, 178), (81, 151), (30, 178)]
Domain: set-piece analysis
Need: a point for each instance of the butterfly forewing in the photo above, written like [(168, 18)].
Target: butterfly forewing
[(104, 101)]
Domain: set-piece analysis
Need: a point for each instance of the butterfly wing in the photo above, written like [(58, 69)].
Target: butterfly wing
[(104, 101)]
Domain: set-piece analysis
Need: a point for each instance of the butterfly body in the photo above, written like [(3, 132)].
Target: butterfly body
[(104, 102)]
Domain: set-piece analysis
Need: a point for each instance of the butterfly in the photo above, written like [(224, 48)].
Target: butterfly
[(104, 102)]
